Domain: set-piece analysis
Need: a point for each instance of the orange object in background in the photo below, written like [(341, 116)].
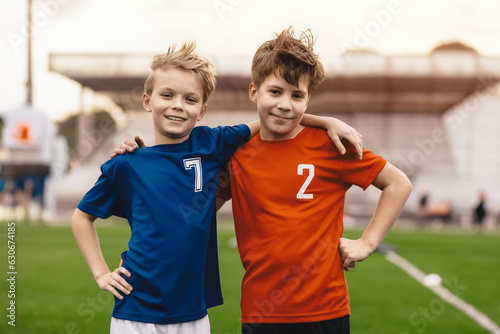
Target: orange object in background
[(22, 133)]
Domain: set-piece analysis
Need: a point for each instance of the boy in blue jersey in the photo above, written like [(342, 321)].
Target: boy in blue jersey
[(167, 192)]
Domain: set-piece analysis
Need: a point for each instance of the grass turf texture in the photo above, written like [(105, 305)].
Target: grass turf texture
[(55, 291)]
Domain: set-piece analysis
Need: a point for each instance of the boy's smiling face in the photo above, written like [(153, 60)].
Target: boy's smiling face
[(176, 103), (280, 106)]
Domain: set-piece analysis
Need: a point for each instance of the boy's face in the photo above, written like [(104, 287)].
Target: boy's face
[(280, 106), (176, 103)]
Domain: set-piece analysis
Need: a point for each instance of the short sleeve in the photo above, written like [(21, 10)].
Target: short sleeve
[(361, 172), (102, 200), (223, 140)]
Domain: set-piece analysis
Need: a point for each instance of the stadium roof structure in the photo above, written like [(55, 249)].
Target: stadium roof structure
[(357, 81)]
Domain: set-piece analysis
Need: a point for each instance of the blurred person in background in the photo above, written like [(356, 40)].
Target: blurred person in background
[(480, 211)]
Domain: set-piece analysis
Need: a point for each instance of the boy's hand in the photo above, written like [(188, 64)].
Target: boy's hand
[(128, 146), (113, 282), (338, 130), (353, 251)]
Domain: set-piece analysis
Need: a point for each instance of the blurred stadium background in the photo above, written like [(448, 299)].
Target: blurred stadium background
[(419, 80)]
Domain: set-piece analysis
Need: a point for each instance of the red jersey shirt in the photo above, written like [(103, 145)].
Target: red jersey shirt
[(288, 203)]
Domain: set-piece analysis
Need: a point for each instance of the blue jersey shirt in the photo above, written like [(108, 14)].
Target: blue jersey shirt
[(167, 193)]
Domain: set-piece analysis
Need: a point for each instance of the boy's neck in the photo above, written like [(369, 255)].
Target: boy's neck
[(272, 136), (164, 140)]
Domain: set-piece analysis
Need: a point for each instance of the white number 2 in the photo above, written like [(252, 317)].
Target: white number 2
[(300, 171), (198, 177)]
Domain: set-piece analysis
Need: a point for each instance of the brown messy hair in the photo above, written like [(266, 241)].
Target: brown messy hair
[(186, 58), (289, 57)]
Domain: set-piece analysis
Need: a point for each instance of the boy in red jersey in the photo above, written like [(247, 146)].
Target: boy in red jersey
[(288, 186)]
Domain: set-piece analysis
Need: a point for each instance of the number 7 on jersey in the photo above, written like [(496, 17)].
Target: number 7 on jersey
[(195, 163)]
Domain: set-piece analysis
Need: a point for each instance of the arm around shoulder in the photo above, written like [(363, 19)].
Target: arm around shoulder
[(337, 131), (254, 127)]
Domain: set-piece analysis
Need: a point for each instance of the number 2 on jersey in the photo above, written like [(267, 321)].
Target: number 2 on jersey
[(198, 177), (300, 171)]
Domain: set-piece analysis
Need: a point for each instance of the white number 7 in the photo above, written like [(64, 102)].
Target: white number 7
[(198, 177), (300, 171)]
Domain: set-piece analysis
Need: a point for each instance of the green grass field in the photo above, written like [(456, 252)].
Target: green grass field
[(55, 291)]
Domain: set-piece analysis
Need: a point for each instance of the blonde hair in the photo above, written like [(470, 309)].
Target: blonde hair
[(186, 58), (290, 57)]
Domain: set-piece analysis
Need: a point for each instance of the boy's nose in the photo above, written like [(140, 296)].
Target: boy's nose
[(285, 104), (177, 104)]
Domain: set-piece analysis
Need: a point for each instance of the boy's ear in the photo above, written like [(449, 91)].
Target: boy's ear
[(252, 93), (202, 113), (145, 102)]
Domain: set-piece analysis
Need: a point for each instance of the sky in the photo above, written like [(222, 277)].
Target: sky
[(223, 29)]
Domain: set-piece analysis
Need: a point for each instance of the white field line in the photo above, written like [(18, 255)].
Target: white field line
[(445, 294)]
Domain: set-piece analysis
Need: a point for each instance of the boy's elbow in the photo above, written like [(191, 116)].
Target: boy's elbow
[(405, 185), (394, 179), (399, 182), (80, 217), (76, 219)]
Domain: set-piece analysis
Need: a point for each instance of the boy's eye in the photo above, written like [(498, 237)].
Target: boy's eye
[(166, 95), (298, 96), (274, 92), (191, 99)]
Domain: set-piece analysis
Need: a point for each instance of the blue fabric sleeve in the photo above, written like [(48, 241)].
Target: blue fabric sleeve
[(102, 200), (230, 138)]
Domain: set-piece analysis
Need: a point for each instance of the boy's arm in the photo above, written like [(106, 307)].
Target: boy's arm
[(254, 127), (337, 130), (396, 188), (131, 146), (86, 237)]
